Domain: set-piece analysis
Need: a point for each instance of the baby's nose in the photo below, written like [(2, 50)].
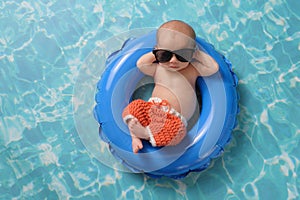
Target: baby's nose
[(173, 59)]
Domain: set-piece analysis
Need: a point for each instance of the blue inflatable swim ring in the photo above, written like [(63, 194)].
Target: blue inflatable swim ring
[(206, 138)]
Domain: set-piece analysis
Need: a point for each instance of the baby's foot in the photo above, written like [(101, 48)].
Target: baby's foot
[(137, 129), (136, 144)]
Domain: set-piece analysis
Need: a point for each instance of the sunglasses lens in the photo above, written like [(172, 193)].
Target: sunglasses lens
[(180, 58), (184, 55), (163, 55)]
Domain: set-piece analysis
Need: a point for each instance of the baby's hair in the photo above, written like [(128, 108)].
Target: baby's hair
[(179, 26)]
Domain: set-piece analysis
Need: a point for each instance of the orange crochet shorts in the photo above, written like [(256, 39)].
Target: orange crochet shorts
[(164, 124)]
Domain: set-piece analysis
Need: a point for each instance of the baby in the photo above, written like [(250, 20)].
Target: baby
[(175, 63)]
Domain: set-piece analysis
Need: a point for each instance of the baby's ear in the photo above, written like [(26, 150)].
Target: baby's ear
[(196, 54)]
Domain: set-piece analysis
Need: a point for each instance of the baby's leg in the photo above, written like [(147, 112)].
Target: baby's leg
[(136, 129), (136, 119), (136, 144)]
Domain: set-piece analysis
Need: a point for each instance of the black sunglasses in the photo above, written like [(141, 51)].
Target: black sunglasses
[(164, 55)]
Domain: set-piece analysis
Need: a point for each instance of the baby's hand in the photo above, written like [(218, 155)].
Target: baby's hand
[(204, 63)]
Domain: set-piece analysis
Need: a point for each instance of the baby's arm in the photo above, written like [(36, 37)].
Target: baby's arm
[(204, 63), (146, 65)]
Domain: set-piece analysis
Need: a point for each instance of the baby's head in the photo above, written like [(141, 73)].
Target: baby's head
[(175, 45), (175, 35)]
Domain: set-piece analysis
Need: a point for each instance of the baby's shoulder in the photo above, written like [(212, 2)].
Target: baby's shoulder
[(190, 70)]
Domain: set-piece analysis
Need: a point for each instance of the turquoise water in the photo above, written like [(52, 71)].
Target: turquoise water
[(50, 59)]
